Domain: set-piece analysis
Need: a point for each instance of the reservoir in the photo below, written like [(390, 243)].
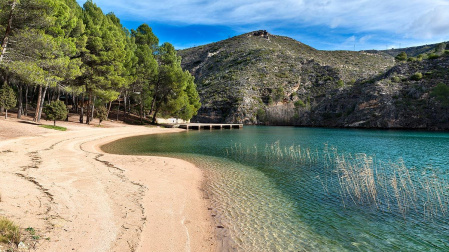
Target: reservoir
[(317, 189)]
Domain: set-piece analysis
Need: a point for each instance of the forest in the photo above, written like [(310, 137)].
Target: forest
[(57, 50)]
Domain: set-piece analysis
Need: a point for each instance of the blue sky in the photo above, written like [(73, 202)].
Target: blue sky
[(322, 24)]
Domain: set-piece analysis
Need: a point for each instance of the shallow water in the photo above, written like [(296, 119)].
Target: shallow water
[(277, 203)]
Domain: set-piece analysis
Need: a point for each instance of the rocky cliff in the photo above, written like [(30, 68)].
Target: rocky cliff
[(259, 78)]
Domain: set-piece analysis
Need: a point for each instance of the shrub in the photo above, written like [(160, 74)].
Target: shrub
[(101, 113), (417, 76), (56, 110), (300, 103), (261, 114), (9, 232), (340, 83), (401, 57), (278, 94), (441, 93), (396, 79), (433, 56), (7, 98)]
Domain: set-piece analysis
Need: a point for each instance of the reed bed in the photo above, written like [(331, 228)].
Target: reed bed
[(359, 179)]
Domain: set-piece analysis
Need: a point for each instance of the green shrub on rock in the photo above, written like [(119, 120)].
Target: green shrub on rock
[(417, 76)]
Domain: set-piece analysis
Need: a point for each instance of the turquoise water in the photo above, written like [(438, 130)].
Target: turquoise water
[(270, 198)]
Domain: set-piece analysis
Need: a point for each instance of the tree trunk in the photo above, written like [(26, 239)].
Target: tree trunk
[(39, 96), (124, 102), (25, 112), (59, 93), (109, 109), (42, 104), (20, 99), (81, 109), (6, 113), (129, 105), (5, 78), (118, 108), (8, 30), (153, 102), (49, 98), (141, 108), (93, 109), (155, 113), (54, 122), (88, 106)]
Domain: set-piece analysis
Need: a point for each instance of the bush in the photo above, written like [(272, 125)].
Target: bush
[(417, 76), (396, 79), (441, 93), (401, 57), (300, 103), (101, 113), (9, 232), (433, 56), (7, 98), (278, 94), (261, 114), (340, 83), (56, 110)]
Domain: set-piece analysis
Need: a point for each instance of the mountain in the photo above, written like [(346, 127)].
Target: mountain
[(412, 51), (260, 78)]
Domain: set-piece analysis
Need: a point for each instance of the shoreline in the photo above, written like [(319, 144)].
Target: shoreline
[(79, 198)]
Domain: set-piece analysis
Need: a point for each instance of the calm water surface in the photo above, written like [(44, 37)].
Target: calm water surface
[(277, 203)]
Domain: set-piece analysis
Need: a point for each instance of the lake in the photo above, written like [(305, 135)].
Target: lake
[(317, 189)]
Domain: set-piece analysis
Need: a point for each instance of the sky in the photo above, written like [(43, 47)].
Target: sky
[(322, 24)]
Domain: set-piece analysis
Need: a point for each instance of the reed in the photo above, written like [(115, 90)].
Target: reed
[(358, 179)]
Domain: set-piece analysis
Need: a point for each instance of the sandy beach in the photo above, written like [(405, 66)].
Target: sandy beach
[(78, 198)]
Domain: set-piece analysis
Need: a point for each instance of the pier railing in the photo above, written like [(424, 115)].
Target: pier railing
[(210, 126)]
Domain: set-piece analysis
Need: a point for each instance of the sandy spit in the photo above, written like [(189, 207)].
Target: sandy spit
[(81, 199)]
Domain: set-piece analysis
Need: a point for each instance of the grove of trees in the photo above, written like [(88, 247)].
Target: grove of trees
[(56, 49)]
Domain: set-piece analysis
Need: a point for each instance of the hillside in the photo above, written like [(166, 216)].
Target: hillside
[(410, 51), (259, 78)]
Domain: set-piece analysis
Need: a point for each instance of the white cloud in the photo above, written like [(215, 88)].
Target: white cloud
[(431, 24), (364, 39), (351, 39), (415, 18)]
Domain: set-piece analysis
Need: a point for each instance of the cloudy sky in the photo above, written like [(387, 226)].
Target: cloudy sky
[(323, 24)]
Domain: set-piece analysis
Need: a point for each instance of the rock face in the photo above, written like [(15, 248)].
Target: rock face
[(260, 78)]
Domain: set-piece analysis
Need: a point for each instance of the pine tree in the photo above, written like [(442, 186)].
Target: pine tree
[(56, 110), (171, 84), (7, 98), (146, 65), (43, 50), (104, 61), (101, 114)]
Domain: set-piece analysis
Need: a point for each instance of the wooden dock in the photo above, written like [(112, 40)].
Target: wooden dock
[(210, 126)]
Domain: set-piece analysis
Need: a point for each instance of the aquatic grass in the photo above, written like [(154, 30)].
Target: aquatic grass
[(358, 179)]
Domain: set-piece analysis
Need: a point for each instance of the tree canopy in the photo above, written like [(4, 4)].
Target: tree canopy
[(58, 46)]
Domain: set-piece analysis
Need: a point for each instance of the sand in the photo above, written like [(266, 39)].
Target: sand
[(81, 199)]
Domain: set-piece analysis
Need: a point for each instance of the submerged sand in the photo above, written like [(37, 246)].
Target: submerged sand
[(81, 199)]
